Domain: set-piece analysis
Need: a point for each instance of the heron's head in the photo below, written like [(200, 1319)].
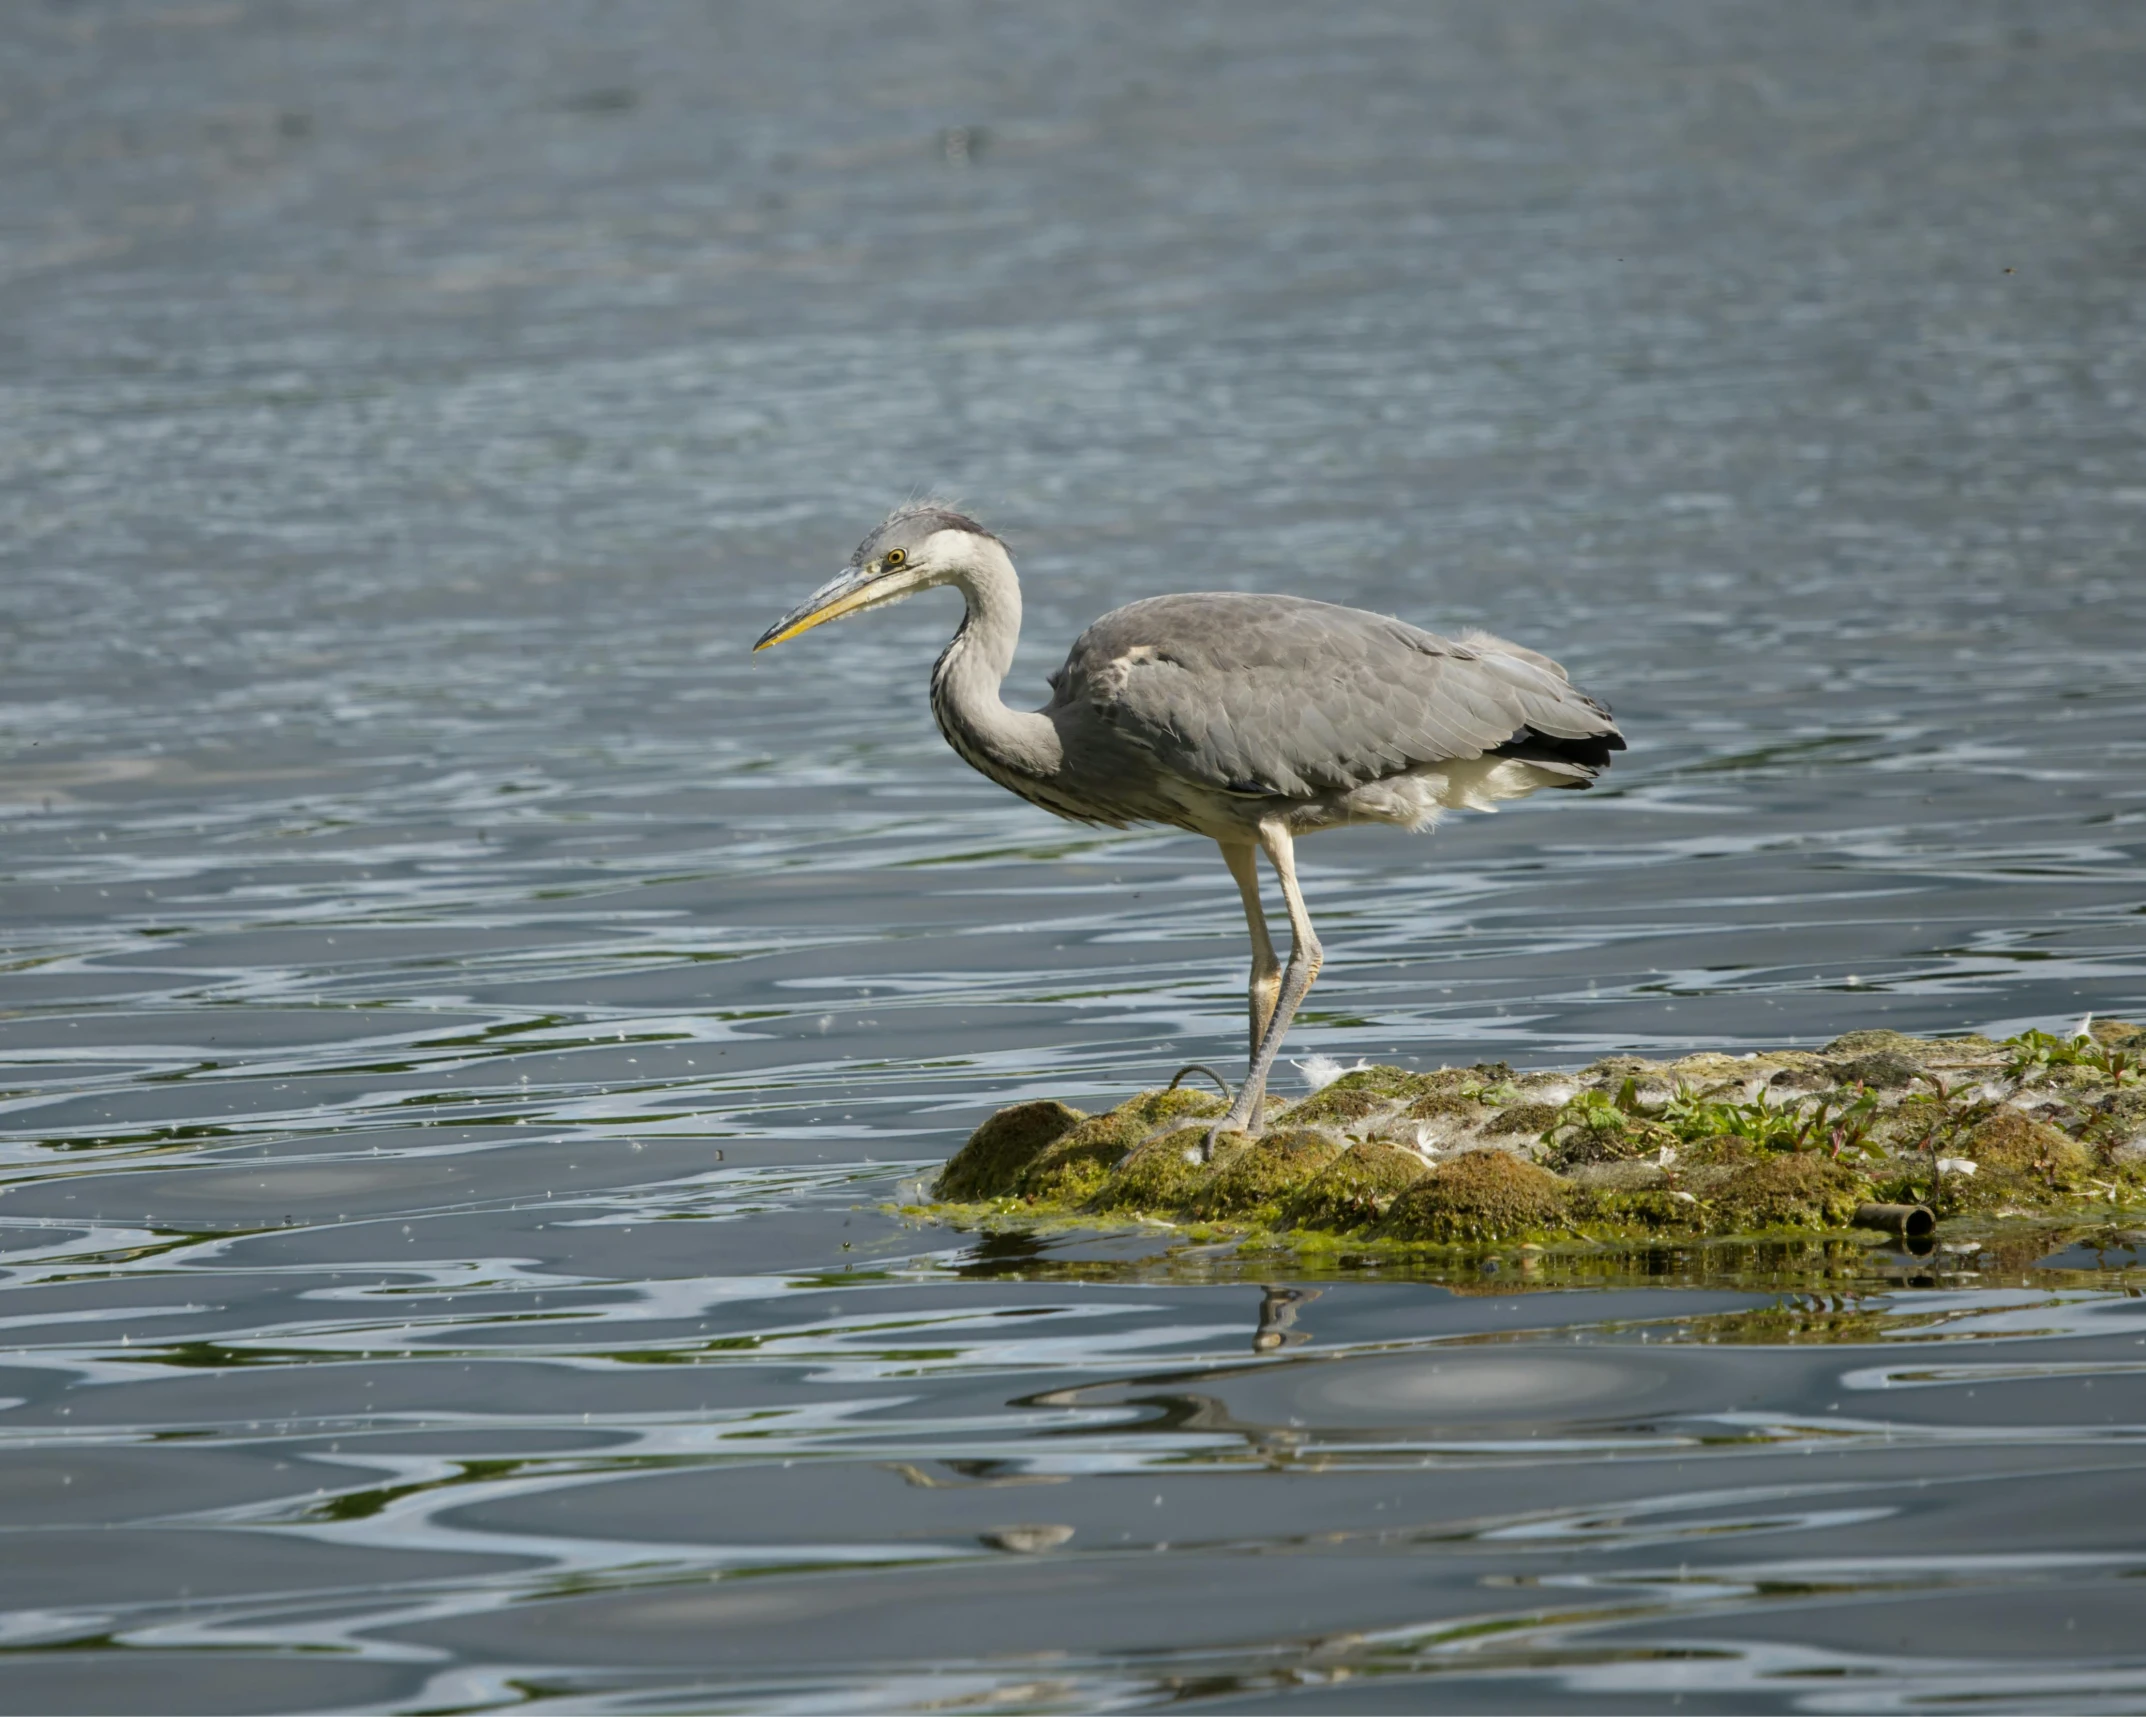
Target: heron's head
[(916, 548)]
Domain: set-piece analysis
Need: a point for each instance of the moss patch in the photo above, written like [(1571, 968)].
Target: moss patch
[(1164, 1174), (1532, 1119), (1073, 1167), (1357, 1188), (1876, 1043), (1883, 1069), (1355, 1096), (2019, 1161), (1262, 1176), (1779, 1189), (2012, 1143), (999, 1152), (1480, 1195), (1437, 1105)]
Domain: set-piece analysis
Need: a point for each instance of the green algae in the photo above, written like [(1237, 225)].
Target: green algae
[(999, 1152), (2019, 1161), (1161, 1174), (1385, 1163), (1533, 1119), (1356, 1188), (1258, 1177), (1355, 1096), (1479, 1195), (1073, 1167), (1782, 1189)]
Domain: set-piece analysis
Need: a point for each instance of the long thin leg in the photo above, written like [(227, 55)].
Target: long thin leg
[(1243, 862), (1305, 959)]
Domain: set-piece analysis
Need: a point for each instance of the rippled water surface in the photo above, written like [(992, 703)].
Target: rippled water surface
[(463, 1020)]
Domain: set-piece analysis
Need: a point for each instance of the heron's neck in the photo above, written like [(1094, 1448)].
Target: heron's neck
[(965, 683)]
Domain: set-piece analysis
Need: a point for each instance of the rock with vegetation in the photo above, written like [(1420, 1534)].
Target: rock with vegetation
[(999, 1152), (1072, 1168), (1257, 1178), (1477, 1196), (1625, 1150), (1357, 1188), (1159, 1175)]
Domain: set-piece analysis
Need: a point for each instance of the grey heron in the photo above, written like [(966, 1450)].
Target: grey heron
[(1249, 719)]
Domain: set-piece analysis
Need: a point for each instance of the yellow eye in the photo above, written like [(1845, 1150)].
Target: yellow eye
[(894, 557)]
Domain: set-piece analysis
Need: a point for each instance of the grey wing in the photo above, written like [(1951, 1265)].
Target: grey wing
[(1280, 695)]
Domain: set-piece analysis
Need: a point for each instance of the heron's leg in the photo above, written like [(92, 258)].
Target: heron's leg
[(1243, 862), (1305, 958)]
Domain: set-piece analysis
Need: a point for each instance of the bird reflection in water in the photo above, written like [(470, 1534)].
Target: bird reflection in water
[(1278, 1318)]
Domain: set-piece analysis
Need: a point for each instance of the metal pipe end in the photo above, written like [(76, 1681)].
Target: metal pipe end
[(1909, 1221)]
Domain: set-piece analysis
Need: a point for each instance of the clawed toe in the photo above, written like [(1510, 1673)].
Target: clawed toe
[(1228, 1124)]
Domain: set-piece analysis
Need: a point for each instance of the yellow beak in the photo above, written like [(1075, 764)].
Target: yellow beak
[(849, 590)]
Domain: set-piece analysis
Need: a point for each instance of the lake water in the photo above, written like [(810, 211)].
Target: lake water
[(463, 1017)]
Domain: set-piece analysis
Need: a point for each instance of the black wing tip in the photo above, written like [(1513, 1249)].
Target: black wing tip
[(1590, 751)]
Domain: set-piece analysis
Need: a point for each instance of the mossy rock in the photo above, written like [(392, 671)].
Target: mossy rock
[(1357, 1188), (1356, 1095), (1881, 1069), (1163, 1174), (1479, 1195), (1878, 1042), (2018, 1159), (1797, 1063), (1071, 1172), (1265, 1173), (1655, 1209), (1610, 1073), (1432, 1104), (1816, 1076), (1073, 1169), (991, 1164), (1906, 1127), (2113, 1032), (2084, 1141), (1334, 1107), (1708, 1068), (1715, 1149), (2073, 1078), (1528, 1120), (2013, 1142), (1782, 1189), (1639, 1174)]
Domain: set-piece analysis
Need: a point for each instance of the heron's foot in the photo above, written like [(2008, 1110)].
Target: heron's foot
[(1242, 1124)]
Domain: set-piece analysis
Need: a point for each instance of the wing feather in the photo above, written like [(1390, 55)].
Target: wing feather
[(1281, 695)]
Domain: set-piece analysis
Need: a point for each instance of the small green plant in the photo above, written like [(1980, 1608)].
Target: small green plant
[(2034, 1053), (1695, 1115), (1934, 1112), (1592, 1112), (1804, 1124), (1846, 1125)]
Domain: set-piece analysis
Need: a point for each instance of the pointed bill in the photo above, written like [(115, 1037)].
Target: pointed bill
[(849, 590)]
